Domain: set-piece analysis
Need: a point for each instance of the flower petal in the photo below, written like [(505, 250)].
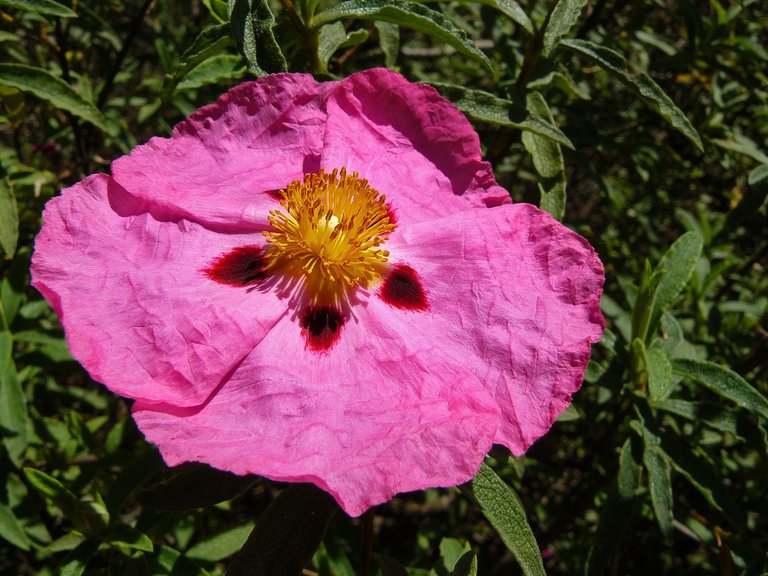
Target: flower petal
[(138, 309), (410, 143), (517, 294), (220, 163), (363, 420)]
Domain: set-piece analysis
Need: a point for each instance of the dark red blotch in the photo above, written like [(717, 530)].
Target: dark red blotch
[(243, 266), (321, 326), (402, 289)]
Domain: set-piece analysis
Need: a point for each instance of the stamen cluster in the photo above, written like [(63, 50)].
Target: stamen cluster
[(329, 234)]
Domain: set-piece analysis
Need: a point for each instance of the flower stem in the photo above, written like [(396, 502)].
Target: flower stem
[(367, 543)]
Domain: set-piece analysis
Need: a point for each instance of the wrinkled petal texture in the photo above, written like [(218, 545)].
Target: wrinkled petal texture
[(405, 398), (138, 312), (517, 295)]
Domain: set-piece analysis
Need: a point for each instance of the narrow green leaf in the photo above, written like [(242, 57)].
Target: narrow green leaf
[(389, 40), (466, 565), (723, 381), (127, 536), (49, 7), (406, 14), (88, 517), (221, 545), (209, 42), (193, 485), (485, 107), (630, 469), (513, 11), (616, 65), (710, 414), (702, 476), (660, 485), (742, 145), (287, 533), (547, 159), (645, 302), (48, 87), (9, 218), (14, 416), (252, 25), (503, 509), (615, 516), (659, 373), (562, 18), (676, 267), (11, 530)]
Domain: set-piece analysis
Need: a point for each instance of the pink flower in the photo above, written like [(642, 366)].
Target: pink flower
[(323, 283)]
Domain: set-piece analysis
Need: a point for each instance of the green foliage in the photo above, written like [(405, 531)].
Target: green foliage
[(666, 447)]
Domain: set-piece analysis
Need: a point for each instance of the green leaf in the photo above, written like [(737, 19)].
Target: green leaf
[(676, 267), (217, 8), (193, 485), (513, 11), (723, 381), (214, 70), (333, 37), (660, 484), (11, 530), (389, 40), (616, 65), (14, 416), (406, 14), (505, 512), (127, 536), (659, 373), (287, 533), (41, 7), (485, 107), (9, 218), (742, 145), (88, 517), (466, 565), (390, 567), (562, 18), (221, 545), (75, 563), (208, 43), (547, 159), (48, 87), (252, 25), (451, 550)]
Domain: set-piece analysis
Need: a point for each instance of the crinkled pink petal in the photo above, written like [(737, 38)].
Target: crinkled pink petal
[(425, 157), (520, 293), (138, 311), (219, 164), (364, 420)]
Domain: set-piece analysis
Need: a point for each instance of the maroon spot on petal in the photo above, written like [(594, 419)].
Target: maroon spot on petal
[(402, 289), (243, 266), (275, 194), (391, 213), (321, 326)]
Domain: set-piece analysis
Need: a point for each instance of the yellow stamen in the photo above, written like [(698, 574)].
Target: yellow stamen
[(329, 234)]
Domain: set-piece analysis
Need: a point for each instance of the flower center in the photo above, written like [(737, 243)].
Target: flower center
[(329, 234)]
